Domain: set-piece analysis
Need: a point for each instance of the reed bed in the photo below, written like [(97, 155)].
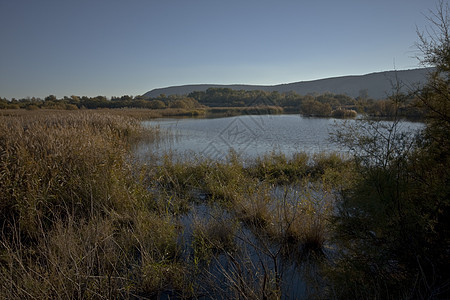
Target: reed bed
[(277, 214), (145, 113), (80, 219), (135, 113), (75, 220)]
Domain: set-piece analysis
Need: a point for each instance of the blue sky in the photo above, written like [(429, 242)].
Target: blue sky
[(114, 48)]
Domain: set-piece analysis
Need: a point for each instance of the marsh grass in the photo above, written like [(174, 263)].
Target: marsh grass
[(80, 219), (146, 114), (134, 113), (213, 235), (62, 165), (280, 210), (76, 222), (297, 213), (219, 181)]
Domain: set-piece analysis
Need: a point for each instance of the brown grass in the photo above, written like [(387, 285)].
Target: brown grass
[(79, 220), (135, 113), (75, 220)]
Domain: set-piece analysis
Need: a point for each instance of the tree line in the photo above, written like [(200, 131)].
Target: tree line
[(84, 102), (317, 105)]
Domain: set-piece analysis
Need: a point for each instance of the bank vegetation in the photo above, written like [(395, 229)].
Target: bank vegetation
[(81, 218)]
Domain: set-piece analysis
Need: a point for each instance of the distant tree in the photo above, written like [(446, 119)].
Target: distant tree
[(3, 103), (315, 108), (126, 98), (50, 98), (157, 104)]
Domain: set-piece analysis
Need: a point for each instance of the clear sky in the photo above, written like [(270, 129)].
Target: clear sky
[(114, 48)]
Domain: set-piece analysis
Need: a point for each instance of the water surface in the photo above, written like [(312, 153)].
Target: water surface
[(252, 136), (248, 135)]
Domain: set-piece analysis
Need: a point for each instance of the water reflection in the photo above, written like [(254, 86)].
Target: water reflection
[(249, 136)]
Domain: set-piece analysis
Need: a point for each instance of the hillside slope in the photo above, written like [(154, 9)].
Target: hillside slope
[(378, 85)]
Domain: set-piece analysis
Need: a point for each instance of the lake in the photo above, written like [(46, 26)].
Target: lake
[(252, 136), (248, 135)]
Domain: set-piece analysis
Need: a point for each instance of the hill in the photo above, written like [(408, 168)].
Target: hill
[(377, 85)]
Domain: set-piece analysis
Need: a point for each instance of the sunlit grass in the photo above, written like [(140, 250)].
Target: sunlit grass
[(76, 222), (80, 219)]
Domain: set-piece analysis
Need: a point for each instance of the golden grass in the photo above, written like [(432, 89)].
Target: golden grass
[(248, 192), (79, 220), (75, 220), (135, 113)]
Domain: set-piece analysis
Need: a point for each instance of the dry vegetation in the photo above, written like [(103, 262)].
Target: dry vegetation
[(76, 222), (79, 219), (136, 113)]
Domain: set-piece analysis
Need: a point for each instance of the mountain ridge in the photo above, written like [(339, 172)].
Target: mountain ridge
[(376, 85)]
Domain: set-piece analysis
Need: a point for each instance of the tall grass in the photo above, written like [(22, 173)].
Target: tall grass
[(57, 166), (135, 113), (79, 219), (75, 220), (278, 210)]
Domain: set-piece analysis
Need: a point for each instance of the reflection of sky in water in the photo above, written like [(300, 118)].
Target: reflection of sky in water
[(249, 136)]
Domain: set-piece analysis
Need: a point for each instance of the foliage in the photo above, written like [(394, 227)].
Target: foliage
[(76, 102), (392, 226), (230, 102), (316, 108), (343, 113)]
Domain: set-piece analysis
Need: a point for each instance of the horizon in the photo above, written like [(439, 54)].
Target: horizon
[(215, 84), (113, 48), (282, 83)]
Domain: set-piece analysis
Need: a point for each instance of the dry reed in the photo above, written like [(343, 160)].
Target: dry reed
[(75, 220)]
